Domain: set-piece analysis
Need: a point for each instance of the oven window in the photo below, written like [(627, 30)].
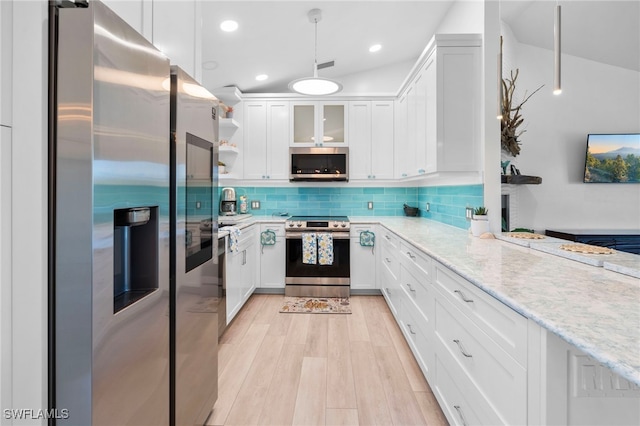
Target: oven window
[(199, 202), (339, 268)]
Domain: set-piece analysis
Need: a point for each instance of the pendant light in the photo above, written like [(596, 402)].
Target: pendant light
[(315, 86), (557, 87)]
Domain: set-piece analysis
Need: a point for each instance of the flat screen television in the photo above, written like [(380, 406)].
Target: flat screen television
[(612, 158)]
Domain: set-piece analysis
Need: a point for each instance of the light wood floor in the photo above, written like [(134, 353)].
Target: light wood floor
[(320, 369)]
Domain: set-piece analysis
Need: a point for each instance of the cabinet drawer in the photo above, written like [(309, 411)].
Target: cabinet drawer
[(357, 229), (419, 292), (462, 408), (416, 259), (390, 260), (498, 377), (392, 294), (278, 228), (390, 237), (247, 235), (419, 334), (506, 327)]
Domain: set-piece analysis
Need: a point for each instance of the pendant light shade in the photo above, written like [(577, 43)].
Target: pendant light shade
[(557, 86), (315, 86)]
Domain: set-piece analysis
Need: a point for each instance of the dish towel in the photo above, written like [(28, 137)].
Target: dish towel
[(309, 248), (234, 236), (368, 239), (325, 248), (267, 238)]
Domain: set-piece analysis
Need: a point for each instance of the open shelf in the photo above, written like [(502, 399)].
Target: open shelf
[(521, 180), (229, 123)]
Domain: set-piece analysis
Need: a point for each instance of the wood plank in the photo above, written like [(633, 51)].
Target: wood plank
[(372, 401), (357, 324), (310, 406), (225, 354), (341, 392), (243, 320), (408, 361), (270, 308), (316, 343), (403, 407), (375, 322), (230, 380), (252, 395), (297, 332), (342, 417), (430, 408), (280, 401), (280, 322)]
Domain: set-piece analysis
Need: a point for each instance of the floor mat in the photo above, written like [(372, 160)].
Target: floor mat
[(316, 305)]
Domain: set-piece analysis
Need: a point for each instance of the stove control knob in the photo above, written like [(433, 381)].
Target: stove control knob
[(335, 224), (343, 224), (290, 224), (299, 224)]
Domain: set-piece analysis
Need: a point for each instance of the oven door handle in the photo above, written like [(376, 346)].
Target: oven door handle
[(298, 235)]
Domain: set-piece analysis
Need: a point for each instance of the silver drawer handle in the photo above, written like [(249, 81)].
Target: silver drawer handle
[(410, 329), (387, 259), (410, 288), (459, 410), (388, 291), (462, 296), (462, 348), (387, 237), (410, 255)]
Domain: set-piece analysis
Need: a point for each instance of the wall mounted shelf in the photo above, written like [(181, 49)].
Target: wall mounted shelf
[(521, 179)]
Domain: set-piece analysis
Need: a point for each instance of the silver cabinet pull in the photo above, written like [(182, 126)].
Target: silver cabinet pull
[(410, 255), (468, 355), (387, 259), (410, 288), (410, 329), (459, 410), (462, 296), (388, 291), (387, 237)]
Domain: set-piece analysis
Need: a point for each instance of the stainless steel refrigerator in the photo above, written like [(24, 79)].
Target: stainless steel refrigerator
[(121, 348)]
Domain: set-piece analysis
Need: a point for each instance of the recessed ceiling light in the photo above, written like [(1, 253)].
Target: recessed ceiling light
[(229, 26), (375, 48), (262, 77)]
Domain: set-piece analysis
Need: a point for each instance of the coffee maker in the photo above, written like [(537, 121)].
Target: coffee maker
[(228, 203)]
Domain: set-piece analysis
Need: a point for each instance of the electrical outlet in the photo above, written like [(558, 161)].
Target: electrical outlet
[(428, 207), (370, 205), (469, 213), (198, 205), (255, 205)]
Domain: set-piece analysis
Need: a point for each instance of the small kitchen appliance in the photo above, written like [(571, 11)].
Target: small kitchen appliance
[(228, 202)]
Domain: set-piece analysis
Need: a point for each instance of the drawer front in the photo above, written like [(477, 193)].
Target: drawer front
[(419, 334), (506, 327), (357, 229), (499, 378), (416, 259), (461, 408), (418, 291), (278, 228), (389, 237), (389, 259), (392, 294)]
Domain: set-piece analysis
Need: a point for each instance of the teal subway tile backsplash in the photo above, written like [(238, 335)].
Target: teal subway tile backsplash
[(447, 202)]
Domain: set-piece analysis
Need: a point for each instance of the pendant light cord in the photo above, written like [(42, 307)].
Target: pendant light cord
[(315, 47)]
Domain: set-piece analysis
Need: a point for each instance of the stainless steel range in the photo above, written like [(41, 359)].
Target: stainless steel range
[(318, 260)]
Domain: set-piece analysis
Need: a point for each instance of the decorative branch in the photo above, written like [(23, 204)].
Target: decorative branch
[(511, 115)]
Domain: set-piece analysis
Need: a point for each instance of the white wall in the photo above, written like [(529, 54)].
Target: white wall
[(379, 81), (596, 98), (463, 17)]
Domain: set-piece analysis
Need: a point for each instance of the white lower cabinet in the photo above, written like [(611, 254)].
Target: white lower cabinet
[(241, 271), (471, 348), (363, 259), (272, 257)]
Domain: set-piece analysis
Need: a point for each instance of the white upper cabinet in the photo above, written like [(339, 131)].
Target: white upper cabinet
[(371, 138), (177, 32), (137, 13), (6, 64), (439, 115), (266, 140), (318, 123)]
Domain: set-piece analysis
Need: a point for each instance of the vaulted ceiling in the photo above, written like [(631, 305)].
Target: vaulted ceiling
[(277, 39)]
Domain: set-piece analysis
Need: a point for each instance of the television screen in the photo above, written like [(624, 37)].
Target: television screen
[(613, 158)]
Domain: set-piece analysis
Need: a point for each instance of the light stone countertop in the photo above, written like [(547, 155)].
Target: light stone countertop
[(592, 308)]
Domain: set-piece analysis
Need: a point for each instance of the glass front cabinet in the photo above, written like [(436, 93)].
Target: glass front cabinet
[(319, 123)]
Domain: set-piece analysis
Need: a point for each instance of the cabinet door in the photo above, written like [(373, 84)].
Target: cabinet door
[(412, 126), (249, 271), (255, 140), (420, 148), (363, 259), (178, 34), (272, 265), (431, 116), (360, 146), (277, 146), (333, 123), (234, 265), (382, 140), (303, 123), (401, 139)]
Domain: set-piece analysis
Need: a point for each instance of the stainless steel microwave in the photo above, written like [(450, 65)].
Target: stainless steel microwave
[(319, 164)]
